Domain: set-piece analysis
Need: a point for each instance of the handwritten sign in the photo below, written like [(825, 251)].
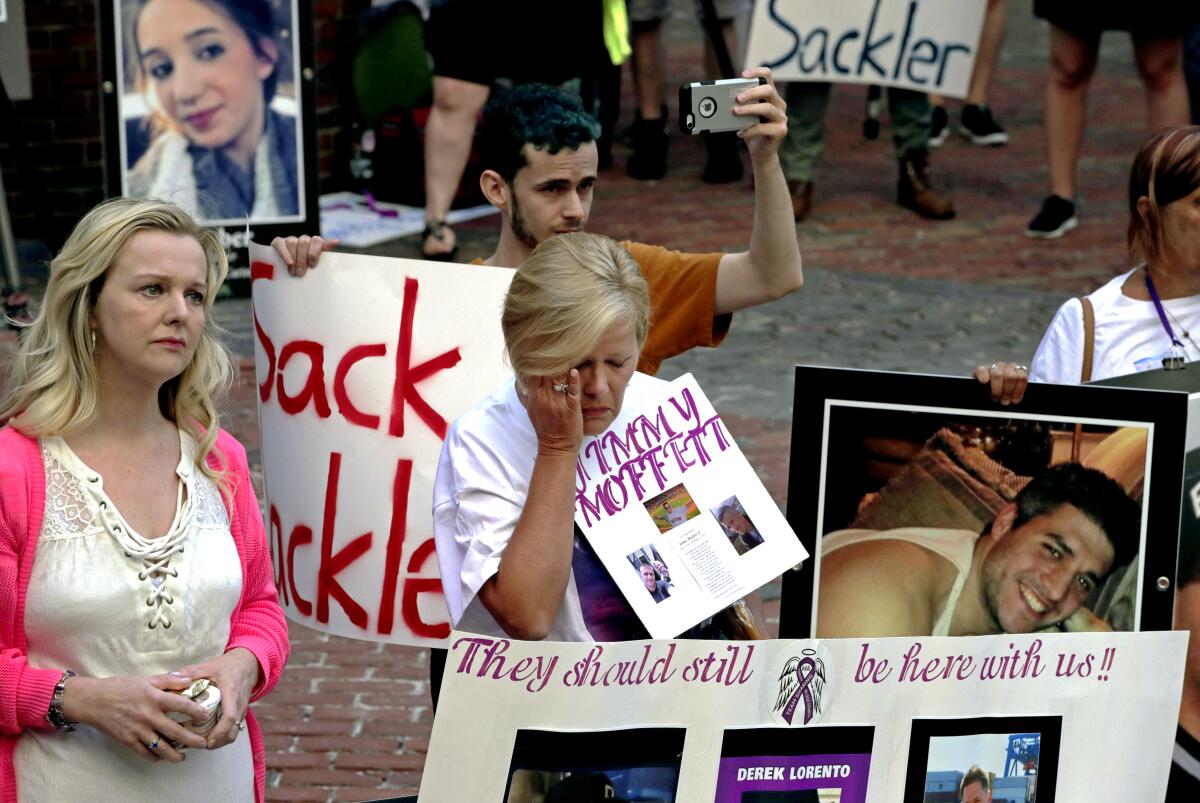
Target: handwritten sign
[(923, 45), (361, 364), (869, 717), (674, 510)]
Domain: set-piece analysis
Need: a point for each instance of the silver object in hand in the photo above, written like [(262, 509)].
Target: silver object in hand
[(153, 745), (241, 724), (561, 387)]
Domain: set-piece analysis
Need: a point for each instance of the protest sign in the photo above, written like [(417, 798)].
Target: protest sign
[(361, 365), (925, 476), (675, 513), (923, 45), (848, 720)]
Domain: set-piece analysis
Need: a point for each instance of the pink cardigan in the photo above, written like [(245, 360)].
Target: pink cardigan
[(257, 623)]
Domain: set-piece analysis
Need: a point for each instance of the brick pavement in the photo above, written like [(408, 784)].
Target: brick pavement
[(351, 720)]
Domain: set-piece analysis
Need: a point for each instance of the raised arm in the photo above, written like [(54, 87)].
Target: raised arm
[(526, 592), (771, 267)]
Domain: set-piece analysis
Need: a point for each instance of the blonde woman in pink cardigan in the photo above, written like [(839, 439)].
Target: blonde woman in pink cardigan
[(133, 559)]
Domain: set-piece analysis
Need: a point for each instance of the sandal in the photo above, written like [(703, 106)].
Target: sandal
[(437, 230)]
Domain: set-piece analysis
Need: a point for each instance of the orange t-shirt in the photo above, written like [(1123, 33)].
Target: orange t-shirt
[(683, 292)]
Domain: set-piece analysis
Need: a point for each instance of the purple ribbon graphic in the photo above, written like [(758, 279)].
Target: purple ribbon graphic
[(802, 691)]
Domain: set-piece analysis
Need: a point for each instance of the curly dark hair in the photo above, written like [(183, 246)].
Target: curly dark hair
[(546, 117), (1097, 495)]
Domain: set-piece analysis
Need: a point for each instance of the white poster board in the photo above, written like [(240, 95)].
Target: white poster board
[(361, 366), (926, 46), (675, 512), (1061, 712)]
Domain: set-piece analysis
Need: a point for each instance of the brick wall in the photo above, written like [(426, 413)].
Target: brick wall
[(60, 174)]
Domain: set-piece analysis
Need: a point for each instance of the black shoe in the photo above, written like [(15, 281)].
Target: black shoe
[(648, 162), (1054, 219), (939, 126), (724, 163), (978, 125)]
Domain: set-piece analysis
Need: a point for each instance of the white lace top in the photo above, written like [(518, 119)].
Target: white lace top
[(105, 601)]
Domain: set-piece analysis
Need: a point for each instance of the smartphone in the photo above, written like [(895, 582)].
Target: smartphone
[(707, 106)]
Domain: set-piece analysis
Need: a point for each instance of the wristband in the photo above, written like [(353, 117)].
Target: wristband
[(55, 715)]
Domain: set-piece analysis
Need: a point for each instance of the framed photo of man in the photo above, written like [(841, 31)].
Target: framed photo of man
[(210, 104), (931, 510)]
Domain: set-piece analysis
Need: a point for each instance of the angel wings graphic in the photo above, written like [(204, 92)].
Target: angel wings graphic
[(789, 684)]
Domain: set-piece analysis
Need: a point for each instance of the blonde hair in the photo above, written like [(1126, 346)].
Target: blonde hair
[(1166, 169), (567, 295), (52, 387)]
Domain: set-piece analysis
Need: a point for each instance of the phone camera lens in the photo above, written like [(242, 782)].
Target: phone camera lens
[(708, 107)]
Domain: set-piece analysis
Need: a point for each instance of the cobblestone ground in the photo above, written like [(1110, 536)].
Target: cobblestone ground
[(351, 720)]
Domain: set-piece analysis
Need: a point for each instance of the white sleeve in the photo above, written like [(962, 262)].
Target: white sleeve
[(475, 516), (1059, 357)]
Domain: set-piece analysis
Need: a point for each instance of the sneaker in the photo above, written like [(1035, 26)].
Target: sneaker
[(939, 126), (1054, 219), (978, 125), (915, 191)]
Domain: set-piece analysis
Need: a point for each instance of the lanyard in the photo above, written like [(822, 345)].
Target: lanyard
[(1176, 356), (1158, 307)]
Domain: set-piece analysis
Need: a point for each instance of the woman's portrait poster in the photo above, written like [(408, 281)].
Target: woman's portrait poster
[(209, 112)]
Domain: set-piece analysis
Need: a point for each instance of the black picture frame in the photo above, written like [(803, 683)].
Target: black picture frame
[(1048, 727), (117, 129), (819, 390)]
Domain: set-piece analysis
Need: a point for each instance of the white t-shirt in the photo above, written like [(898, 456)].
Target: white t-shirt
[(1129, 336), (478, 495)]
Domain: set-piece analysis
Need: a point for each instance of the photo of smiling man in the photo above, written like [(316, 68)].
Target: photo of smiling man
[(1032, 567)]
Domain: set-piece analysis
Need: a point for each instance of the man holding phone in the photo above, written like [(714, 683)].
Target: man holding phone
[(540, 168)]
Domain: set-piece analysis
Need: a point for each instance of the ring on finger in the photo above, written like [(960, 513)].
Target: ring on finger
[(152, 745), (1023, 369), (561, 387), (241, 723)]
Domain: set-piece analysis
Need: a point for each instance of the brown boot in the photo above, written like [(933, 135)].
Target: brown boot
[(915, 191), (801, 192)]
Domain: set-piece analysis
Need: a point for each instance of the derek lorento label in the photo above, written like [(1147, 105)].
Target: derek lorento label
[(923, 45), (675, 512)]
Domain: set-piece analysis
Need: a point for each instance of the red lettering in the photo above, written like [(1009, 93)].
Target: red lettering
[(301, 534), (408, 376), (345, 406), (264, 389), (332, 563), (276, 537), (413, 588), (264, 270), (261, 270), (395, 545), (314, 385)]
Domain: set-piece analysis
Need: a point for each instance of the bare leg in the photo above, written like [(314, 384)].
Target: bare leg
[(990, 40), (1072, 63), (1160, 66), (448, 136), (648, 70)]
